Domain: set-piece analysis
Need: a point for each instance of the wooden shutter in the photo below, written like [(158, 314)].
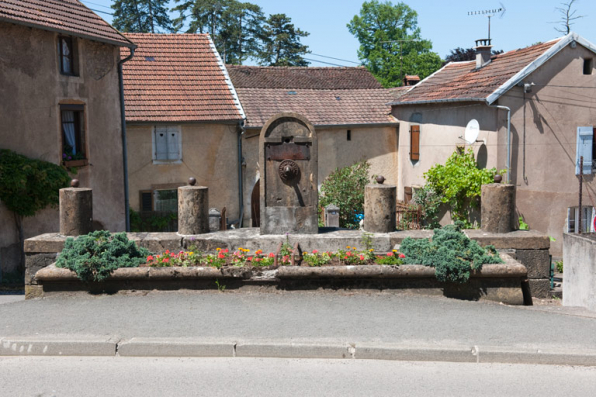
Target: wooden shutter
[(173, 144), (161, 143), (585, 138), (414, 142)]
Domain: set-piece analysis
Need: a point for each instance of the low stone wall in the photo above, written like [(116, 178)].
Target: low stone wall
[(579, 275), (528, 247)]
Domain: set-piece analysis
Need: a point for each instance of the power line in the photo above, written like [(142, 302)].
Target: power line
[(103, 12), (337, 59), (326, 63), (96, 4)]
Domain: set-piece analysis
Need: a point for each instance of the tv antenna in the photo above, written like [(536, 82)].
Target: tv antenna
[(490, 14)]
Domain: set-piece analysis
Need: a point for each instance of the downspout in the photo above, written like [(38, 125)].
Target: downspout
[(241, 130), (508, 138), (124, 150)]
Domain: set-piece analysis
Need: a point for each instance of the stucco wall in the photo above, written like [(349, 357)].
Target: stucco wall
[(579, 275), (378, 145), (31, 90), (209, 154)]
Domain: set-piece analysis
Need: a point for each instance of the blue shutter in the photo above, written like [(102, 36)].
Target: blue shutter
[(585, 136), (161, 143)]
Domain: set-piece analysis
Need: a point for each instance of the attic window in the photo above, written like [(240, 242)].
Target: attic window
[(588, 65), (292, 93), (150, 59), (338, 98)]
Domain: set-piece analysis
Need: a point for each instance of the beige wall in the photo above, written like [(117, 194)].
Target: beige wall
[(543, 139), (378, 145), (209, 154), (31, 90)]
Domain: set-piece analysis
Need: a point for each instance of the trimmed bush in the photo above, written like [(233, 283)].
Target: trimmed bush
[(93, 257)]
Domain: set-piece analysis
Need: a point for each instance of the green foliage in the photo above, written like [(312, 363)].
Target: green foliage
[(523, 225), (141, 16), (450, 252), (390, 42), (220, 287), (93, 257), (430, 201), (391, 259), (559, 266), (459, 182), (28, 185), (316, 259), (282, 46), (345, 188), (155, 222)]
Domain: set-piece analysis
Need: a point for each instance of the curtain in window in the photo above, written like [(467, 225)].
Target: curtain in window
[(66, 66), (68, 126)]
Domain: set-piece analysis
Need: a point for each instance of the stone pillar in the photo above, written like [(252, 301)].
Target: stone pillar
[(332, 216), (379, 208), (76, 210), (498, 208), (193, 209), (214, 220)]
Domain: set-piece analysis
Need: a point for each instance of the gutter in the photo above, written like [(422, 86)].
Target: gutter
[(508, 138), (241, 131), (124, 149)]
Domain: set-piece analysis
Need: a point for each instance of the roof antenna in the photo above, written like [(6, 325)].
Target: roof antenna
[(490, 14)]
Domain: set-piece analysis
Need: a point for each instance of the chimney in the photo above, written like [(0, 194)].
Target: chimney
[(483, 52)]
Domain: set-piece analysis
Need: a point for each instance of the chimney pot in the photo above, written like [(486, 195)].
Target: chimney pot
[(483, 52)]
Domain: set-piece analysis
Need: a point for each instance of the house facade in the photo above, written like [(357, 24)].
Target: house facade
[(347, 106), (546, 93), (60, 102), (183, 120)]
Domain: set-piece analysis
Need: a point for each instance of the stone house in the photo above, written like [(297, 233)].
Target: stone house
[(183, 120), (60, 100), (347, 106), (546, 91)]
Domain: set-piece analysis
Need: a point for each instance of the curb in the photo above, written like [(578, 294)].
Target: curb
[(172, 347)]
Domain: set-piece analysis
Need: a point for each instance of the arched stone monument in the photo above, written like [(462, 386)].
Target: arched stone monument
[(288, 154)]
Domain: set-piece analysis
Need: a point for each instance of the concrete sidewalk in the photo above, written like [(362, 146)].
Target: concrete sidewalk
[(297, 324)]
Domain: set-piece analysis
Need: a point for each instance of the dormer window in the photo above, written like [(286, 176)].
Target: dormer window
[(588, 65), (67, 58)]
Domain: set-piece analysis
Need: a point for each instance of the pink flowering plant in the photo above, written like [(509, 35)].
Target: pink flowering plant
[(391, 258), (316, 258)]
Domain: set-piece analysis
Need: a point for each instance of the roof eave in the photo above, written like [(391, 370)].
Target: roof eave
[(124, 43), (439, 101), (362, 125)]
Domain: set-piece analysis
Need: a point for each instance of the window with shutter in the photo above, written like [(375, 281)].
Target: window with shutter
[(585, 138), (166, 144), (146, 200), (415, 142)]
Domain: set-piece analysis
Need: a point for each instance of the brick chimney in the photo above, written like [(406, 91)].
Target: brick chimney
[(483, 52)]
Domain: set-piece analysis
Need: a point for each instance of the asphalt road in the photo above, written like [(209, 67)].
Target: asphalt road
[(375, 317), (69, 376)]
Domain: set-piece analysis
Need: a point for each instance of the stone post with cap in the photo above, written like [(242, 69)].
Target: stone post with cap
[(497, 208), (193, 209), (76, 210), (380, 207)]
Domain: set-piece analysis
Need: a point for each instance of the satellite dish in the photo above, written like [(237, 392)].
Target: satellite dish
[(472, 131)]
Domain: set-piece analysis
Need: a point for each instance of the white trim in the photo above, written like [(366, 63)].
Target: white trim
[(224, 70), (551, 52)]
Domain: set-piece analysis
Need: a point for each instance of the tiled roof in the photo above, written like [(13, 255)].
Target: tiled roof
[(321, 107), (177, 77), (307, 78), (461, 81), (326, 96), (63, 16)]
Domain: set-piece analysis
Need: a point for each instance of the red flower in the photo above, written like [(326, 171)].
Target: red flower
[(286, 258), (361, 257), (166, 260), (402, 256), (390, 254), (315, 251), (250, 258), (220, 256), (271, 255), (167, 251), (226, 251), (149, 258)]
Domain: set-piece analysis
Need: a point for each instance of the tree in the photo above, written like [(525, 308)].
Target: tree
[(236, 28), (282, 46), (141, 16), (567, 17), (390, 42), (465, 54)]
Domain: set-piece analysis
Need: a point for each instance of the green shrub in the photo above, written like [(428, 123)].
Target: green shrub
[(450, 252), (93, 257), (345, 188), (430, 202), (459, 182)]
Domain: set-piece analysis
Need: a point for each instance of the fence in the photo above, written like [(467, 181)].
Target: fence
[(409, 217)]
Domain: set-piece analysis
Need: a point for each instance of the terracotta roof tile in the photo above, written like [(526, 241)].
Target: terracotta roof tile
[(461, 81), (308, 78), (177, 77), (64, 16)]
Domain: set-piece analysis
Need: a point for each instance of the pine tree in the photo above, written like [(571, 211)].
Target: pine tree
[(282, 44), (141, 16)]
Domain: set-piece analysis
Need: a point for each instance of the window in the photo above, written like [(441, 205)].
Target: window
[(414, 142), (349, 135), (73, 132), (146, 200), (588, 65), (166, 200), (167, 144), (584, 148), (587, 220), (67, 55)]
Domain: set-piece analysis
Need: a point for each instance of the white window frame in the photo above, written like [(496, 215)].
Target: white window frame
[(171, 128), (575, 211)]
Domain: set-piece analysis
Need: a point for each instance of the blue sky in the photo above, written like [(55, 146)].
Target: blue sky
[(445, 23)]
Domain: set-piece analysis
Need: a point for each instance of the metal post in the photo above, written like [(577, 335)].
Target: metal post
[(581, 177)]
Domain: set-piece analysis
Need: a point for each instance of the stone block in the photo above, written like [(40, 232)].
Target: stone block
[(36, 262), (498, 208), (76, 211), (49, 242), (539, 288), (193, 210), (379, 208), (33, 291), (518, 240), (536, 261)]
